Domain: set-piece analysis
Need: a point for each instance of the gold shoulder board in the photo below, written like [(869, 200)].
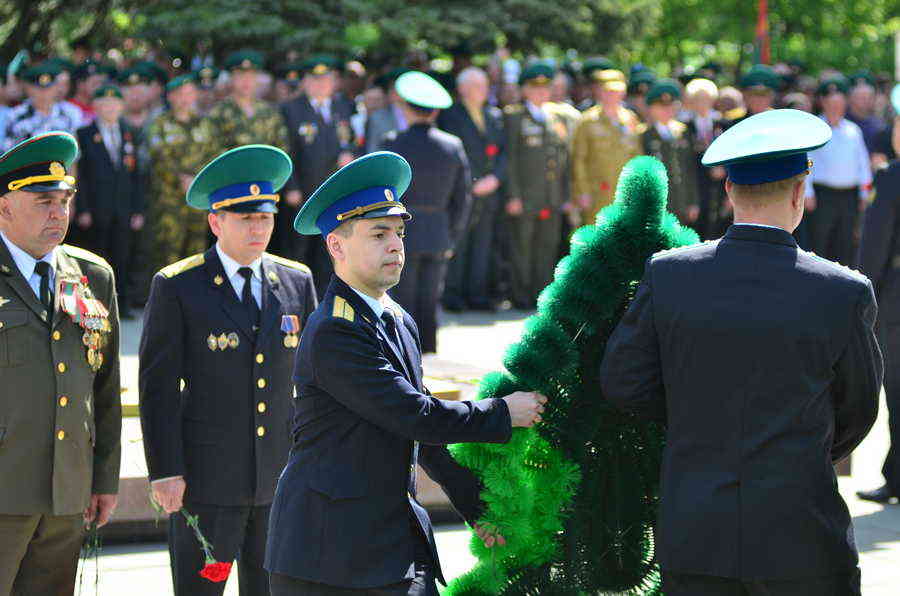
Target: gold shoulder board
[(183, 265), (85, 255), (342, 310), (289, 263)]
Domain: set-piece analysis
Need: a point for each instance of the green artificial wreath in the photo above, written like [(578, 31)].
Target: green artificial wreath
[(575, 497)]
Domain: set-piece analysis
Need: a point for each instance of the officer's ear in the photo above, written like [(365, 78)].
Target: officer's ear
[(5, 209), (335, 247), (214, 224)]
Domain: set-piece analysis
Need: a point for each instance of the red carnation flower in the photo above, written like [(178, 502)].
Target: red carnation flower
[(544, 214), (604, 186), (491, 150), (216, 572)]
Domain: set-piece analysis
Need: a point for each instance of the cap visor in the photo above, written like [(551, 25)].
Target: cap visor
[(387, 212), (615, 86), (48, 186), (252, 207)]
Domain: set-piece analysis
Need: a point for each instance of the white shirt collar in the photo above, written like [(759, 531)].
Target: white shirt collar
[(231, 266), (25, 262), (377, 306)]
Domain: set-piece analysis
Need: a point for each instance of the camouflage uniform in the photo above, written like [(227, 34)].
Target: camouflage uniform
[(176, 148), (232, 128), (599, 150)]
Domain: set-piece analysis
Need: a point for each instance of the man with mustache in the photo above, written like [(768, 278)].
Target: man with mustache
[(345, 520), (220, 332), (60, 414)]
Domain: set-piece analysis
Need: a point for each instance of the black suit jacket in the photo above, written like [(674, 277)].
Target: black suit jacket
[(440, 194), (485, 150), (879, 250), (209, 431), (105, 189), (316, 144), (344, 503), (762, 360)]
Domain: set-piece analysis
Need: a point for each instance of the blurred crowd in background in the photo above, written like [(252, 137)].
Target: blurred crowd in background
[(545, 141)]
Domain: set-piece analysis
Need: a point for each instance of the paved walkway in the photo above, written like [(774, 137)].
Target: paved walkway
[(469, 345)]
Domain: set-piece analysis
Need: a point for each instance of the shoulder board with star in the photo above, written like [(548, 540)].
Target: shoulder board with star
[(85, 255), (513, 108), (289, 263), (183, 265), (342, 310)]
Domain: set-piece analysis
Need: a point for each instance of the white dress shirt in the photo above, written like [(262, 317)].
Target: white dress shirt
[(843, 162), (112, 140), (237, 280), (323, 107), (25, 262)]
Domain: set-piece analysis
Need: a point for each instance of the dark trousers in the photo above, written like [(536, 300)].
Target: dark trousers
[(682, 584), (235, 533), (535, 252), (469, 269), (39, 554), (419, 292), (112, 241), (830, 226), (889, 338), (422, 585)]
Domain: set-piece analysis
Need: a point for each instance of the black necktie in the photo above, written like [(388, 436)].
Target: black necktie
[(247, 298), (42, 268)]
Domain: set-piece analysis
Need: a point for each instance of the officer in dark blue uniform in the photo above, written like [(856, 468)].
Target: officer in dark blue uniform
[(321, 140), (762, 360), (220, 333), (345, 519), (440, 198), (879, 258)]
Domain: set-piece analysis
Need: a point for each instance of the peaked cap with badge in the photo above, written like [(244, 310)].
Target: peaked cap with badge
[(366, 188), (42, 74), (537, 73), (244, 179), (39, 164), (664, 91), (321, 64), (244, 60), (768, 146)]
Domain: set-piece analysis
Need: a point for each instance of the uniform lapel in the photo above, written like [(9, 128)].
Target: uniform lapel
[(10, 272), (221, 286), (273, 298), (389, 346), (412, 351)]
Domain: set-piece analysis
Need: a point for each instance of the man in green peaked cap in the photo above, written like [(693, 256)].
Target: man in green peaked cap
[(225, 325), (761, 360), (668, 140), (59, 364), (42, 111), (346, 519)]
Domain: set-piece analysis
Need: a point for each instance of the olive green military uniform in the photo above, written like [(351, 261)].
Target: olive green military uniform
[(600, 147), (231, 127), (538, 174), (676, 151), (60, 420), (175, 148)]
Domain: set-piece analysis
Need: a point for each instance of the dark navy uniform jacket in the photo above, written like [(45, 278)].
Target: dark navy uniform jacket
[(440, 194), (343, 508), (228, 430), (761, 359), (879, 251)]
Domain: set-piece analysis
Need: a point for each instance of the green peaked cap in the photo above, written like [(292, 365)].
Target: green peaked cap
[(419, 89), (368, 187), (39, 164), (242, 179)]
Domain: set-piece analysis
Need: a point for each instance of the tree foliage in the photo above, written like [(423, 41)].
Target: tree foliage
[(821, 33)]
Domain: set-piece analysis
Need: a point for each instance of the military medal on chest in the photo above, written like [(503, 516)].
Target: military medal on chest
[(308, 131), (290, 325), (86, 311)]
